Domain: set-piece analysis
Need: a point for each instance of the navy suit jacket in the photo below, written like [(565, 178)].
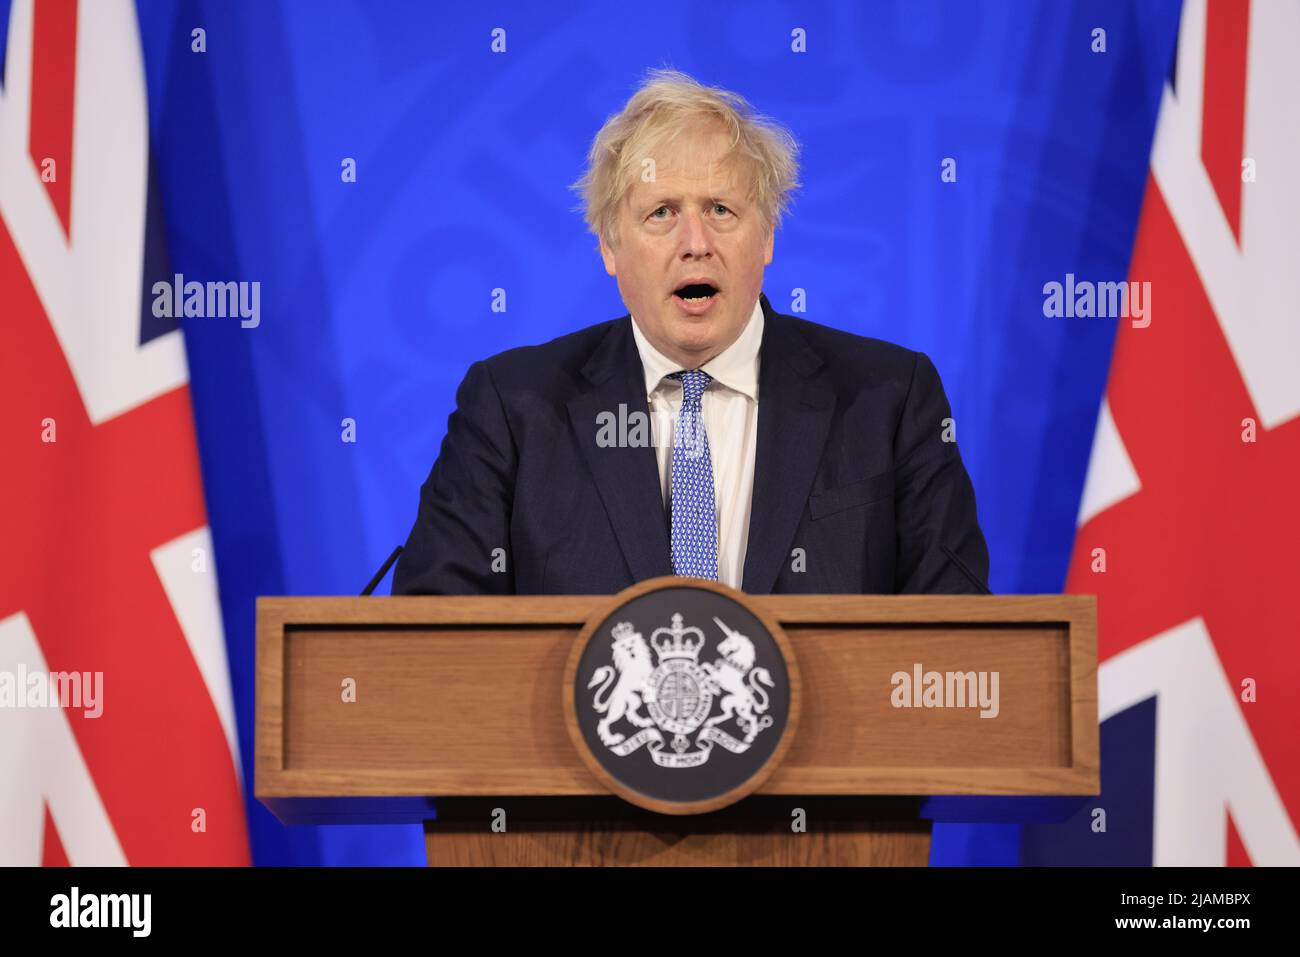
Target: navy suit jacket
[(852, 468)]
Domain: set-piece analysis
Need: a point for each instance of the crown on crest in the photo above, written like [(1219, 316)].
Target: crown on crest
[(624, 629), (677, 641)]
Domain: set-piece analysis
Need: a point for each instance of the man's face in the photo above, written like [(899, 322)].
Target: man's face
[(693, 224)]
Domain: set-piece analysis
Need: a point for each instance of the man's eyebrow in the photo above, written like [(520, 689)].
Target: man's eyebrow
[(720, 196)]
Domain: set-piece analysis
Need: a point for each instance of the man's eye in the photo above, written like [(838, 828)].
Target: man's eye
[(717, 206), (654, 214)]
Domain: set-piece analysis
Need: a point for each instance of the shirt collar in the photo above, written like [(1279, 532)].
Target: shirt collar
[(736, 367)]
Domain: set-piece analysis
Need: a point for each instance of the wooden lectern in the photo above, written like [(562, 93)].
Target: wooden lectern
[(448, 710)]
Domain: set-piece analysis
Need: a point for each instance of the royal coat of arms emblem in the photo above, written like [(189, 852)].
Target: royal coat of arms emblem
[(674, 705)]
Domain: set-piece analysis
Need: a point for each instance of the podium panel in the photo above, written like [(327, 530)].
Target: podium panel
[(365, 705)]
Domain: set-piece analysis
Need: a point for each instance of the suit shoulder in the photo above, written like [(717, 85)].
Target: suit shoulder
[(560, 359), (853, 353)]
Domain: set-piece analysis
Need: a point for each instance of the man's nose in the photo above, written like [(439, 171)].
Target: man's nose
[(695, 236)]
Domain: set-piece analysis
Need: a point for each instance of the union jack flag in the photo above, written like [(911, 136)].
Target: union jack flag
[(1190, 513), (106, 565)]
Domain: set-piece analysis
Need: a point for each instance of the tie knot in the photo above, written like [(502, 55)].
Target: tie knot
[(694, 382)]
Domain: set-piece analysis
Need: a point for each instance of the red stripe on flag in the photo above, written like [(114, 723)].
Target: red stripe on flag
[(1223, 130), (82, 515), (52, 852), (1211, 533), (1237, 855), (54, 73)]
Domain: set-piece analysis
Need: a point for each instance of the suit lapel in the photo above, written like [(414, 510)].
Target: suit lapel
[(795, 407), (626, 477)]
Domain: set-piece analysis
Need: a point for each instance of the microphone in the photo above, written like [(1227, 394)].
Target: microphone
[(379, 575)]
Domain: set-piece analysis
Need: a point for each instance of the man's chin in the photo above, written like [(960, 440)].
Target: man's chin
[(696, 337)]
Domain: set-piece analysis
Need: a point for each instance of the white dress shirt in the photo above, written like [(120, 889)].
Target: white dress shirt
[(730, 411)]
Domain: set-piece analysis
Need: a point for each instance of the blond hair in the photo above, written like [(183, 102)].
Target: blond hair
[(667, 102)]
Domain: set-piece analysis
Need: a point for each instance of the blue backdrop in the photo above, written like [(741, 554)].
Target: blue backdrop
[(376, 294)]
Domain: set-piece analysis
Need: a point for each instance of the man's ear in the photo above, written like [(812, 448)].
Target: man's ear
[(607, 254), (771, 242)]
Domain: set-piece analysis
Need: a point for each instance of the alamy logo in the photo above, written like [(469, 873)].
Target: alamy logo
[(946, 689), (75, 909), (1104, 300), (53, 689), (633, 429), (210, 300)]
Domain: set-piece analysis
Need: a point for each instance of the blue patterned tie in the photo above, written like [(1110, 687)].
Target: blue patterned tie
[(694, 518)]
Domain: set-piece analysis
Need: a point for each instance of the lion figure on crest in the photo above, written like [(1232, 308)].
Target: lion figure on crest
[(632, 666)]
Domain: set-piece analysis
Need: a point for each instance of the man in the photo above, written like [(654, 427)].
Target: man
[(704, 434)]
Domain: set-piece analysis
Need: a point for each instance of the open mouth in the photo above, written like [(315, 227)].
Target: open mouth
[(696, 292)]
